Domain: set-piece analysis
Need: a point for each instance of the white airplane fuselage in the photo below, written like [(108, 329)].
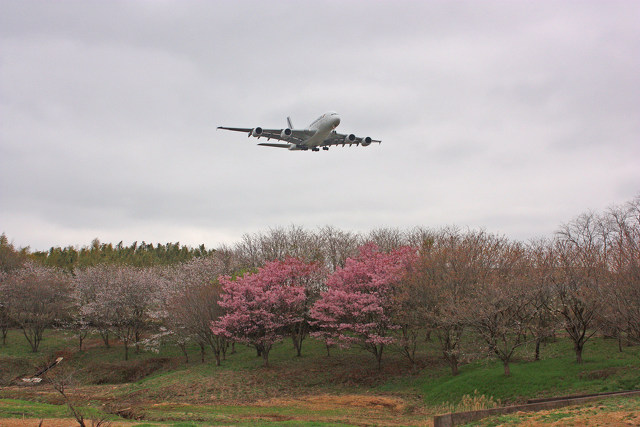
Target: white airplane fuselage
[(322, 126)]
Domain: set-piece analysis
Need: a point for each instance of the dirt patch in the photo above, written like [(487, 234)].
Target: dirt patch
[(328, 402), (125, 371)]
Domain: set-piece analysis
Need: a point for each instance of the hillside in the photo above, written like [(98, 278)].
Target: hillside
[(344, 388)]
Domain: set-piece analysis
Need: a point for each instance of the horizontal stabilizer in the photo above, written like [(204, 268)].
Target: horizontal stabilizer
[(266, 144)]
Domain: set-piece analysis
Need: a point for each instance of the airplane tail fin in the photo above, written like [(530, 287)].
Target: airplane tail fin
[(289, 123)]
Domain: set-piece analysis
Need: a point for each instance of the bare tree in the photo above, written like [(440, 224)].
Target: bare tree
[(501, 309), (11, 260), (631, 269), (337, 246), (540, 270), (420, 237), (37, 297), (623, 265), (579, 278), (229, 259), (274, 245), (413, 304), (191, 304), (450, 267), (248, 250), (386, 238)]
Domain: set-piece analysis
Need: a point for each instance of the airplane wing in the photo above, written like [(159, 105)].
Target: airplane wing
[(348, 139), (297, 136)]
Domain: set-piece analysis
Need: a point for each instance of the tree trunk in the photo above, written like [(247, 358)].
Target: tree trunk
[(126, 349), (619, 341), (578, 348), (105, 338), (298, 334), (454, 367), (137, 335), (34, 337), (537, 356), (223, 343), (201, 353), (453, 363), (507, 371), (265, 358), (219, 349), (297, 344), (378, 353), (183, 347)]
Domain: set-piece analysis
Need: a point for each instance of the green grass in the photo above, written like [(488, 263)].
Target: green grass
[(17, 408), (604, 369), (52, 341)]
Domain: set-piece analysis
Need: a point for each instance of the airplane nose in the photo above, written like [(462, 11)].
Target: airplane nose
[(336, 121)]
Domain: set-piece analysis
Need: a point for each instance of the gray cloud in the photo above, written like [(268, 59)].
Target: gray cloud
[(515, 116)]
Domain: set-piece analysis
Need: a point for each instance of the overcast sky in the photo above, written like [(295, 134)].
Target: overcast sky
[(514, 116)]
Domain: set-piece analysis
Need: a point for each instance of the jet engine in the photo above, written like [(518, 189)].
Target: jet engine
[(256, 131), (365, 141), (286, 133), (350, 138)]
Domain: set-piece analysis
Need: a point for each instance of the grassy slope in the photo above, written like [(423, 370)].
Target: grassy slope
[(243, 391), (556, 374)]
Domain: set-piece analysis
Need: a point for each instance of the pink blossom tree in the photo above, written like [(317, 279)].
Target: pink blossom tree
[(358, 306), (264, 307)]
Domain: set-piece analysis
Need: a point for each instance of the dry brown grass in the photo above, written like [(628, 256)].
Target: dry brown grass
[(329, 402), (586, 418)]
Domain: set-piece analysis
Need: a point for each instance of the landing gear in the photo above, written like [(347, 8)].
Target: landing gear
[(315, 149), (325, 148)]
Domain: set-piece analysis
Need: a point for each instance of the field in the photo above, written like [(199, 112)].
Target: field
[(345, 388)]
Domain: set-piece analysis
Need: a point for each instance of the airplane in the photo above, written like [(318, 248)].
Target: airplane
[(320, 134)]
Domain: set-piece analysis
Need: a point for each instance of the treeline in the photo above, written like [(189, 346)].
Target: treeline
[(137, 254), (385, 289)]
